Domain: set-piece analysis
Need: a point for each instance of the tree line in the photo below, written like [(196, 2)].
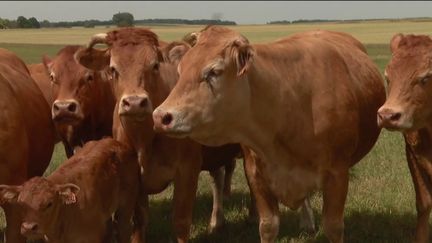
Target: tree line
[(299, 21), (121, 19)]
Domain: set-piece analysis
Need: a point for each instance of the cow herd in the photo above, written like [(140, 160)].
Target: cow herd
[(136, 114)]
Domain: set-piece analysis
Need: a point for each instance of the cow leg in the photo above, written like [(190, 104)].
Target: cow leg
[(335, 190), (13, 222), (229, 171), (185, 187), (217, 217), (141, 216), (266, 203), (124, 224), (307, 220), (422, 186)]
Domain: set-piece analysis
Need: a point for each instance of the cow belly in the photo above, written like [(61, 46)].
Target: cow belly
[(292, 185)]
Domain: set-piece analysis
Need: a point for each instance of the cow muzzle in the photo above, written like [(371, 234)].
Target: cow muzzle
[(167, 122), (135, 106), (29, 229), (391, 119), (66, 111)]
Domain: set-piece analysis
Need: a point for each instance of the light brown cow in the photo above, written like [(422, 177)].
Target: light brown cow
[(26, 132), (304, 105), (83, 100), (141, 80), (74, 203), (408, 110)]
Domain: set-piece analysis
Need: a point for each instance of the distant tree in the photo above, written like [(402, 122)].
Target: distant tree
[(34, 23), (23, 22), (5, 23), (45, 24), (124, 19)]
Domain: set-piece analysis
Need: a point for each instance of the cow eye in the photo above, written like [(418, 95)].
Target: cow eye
[(52, 78), (156, 67), (212, 74), (90, 77), (424, 80), (48, 205), (114, 73)]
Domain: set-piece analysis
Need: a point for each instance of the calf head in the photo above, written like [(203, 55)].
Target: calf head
[(409, 78), (42, 202), (212, 91), (76, 87), (136, 66)]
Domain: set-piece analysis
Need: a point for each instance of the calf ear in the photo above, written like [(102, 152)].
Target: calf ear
[(395, 42), (174, 51), (243, 54), (9, 194), (93, 59), (68, 193)]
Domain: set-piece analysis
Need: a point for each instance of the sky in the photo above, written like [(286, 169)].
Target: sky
[(243, 12)]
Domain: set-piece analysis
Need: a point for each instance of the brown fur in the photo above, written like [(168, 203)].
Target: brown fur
[(293, 96), (94, 98), (164, 160), (100, 179), (27, 133), (408, 110)]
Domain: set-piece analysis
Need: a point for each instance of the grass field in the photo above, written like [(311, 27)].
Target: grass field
[(381, 202)]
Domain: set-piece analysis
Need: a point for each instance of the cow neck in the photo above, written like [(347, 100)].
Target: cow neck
[(262, 129)]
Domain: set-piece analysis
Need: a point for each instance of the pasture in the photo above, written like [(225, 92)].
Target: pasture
[(380, 205)]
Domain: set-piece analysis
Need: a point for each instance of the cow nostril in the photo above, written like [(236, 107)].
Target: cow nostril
[(125, 103), (55, 106), (167, 119), (34, 227), (72, 107), (143, 102), (395, 116)]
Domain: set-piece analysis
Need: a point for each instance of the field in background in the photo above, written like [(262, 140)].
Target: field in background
[(381, 202)]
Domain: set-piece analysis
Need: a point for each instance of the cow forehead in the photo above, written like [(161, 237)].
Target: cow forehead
[(37, 191), (142, 53)]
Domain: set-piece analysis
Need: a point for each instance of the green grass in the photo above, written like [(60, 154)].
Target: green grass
[(381, 202)]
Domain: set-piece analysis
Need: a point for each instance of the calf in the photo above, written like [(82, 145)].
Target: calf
[(74, 203), (408, 109), (83, 100), (27, 133)]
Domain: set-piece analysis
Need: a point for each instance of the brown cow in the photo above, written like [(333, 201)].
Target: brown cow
[(83, 102), (142, 80), (408, 110), (293, 96), (26, 132), (74, 203)]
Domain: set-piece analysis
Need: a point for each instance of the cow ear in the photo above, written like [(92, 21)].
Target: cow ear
[(173, 52), (68, 193), (46, 61), (9, 194), (395, 42), (243, 54), (191, 38), (93, 59)]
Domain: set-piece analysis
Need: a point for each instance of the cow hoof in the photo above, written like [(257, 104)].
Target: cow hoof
[(215, 227)]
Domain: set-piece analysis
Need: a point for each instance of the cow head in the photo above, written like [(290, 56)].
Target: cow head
[(75, 85), (41, 202), (136, 65), (213, 89), (409, 77)]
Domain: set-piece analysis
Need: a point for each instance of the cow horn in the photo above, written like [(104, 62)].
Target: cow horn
[(98, 38)]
